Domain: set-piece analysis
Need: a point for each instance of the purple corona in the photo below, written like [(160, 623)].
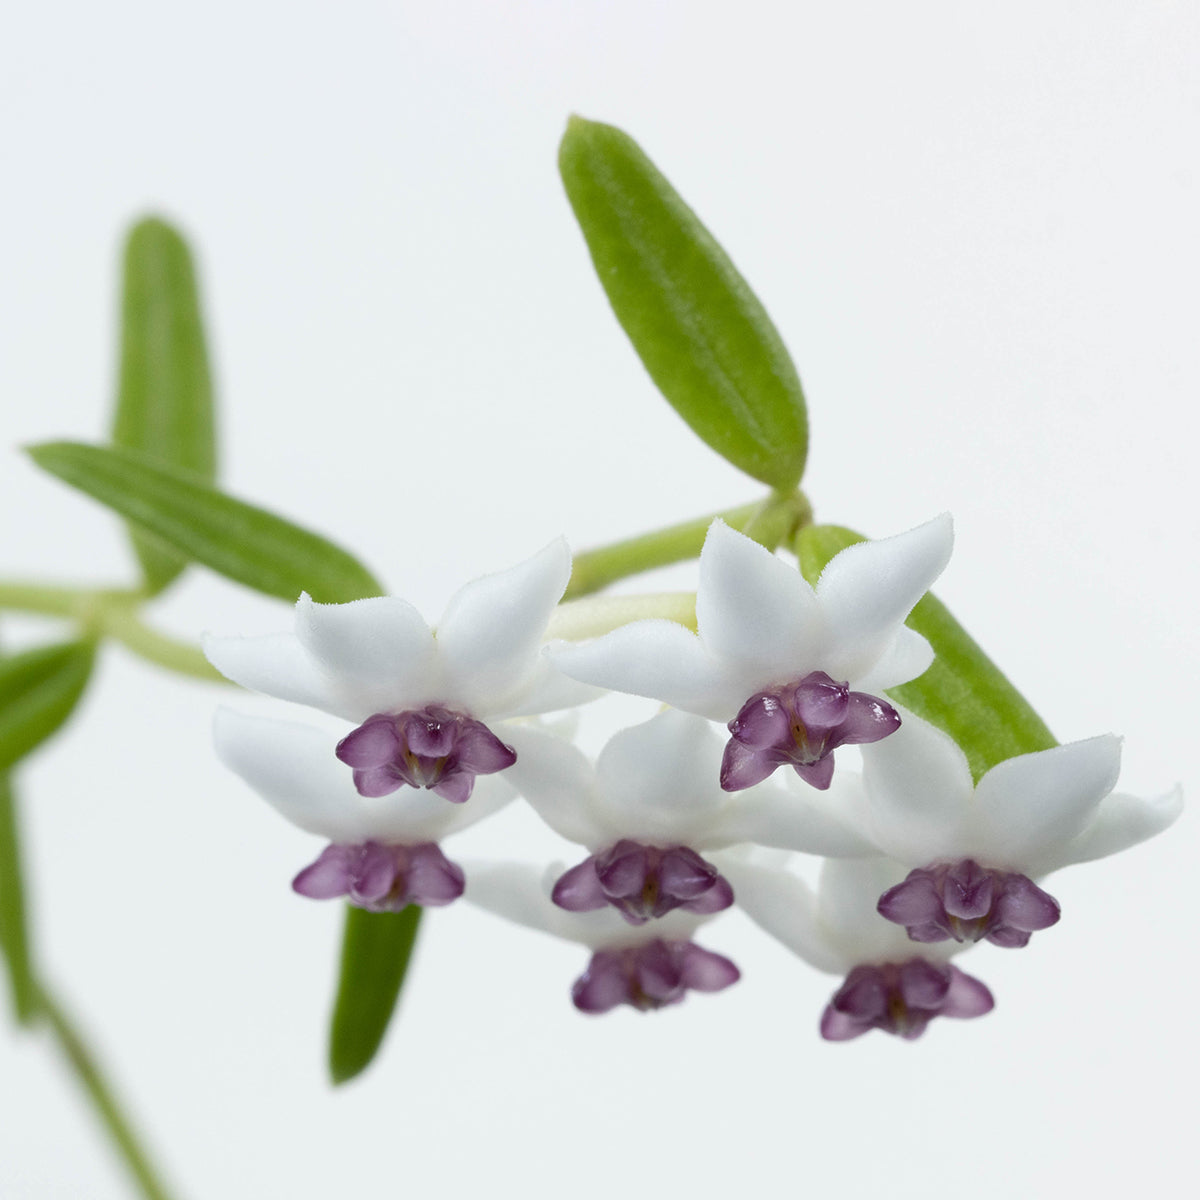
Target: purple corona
[(432, 747), (643, 882), (902, 998), (969, 903), (801, 724), (382, 878), (650, 976)]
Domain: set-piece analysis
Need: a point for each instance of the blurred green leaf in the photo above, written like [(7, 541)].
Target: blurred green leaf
[(38, 691), (376, 948), (700, 331), (963, 693), (14, 938), (233, 538), (164, 397)]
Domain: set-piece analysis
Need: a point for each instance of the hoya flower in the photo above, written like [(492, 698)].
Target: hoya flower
[(836, 929), (977, 850), (383, 852), (646, 966), (793, 669), (423, 700), (652, 807)]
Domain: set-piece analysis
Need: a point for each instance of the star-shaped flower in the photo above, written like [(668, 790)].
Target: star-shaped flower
[(652, 806), (646, 966), (977, 849), (419, 697), (777, 658), (837, 929), (383, 851)]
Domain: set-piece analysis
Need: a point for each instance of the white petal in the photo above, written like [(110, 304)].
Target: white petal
[(800, 818), (847, 896), (754, 608), (908, 657), (546, 690), (783, 905), (293, 768), (868, 589), (557, 780), (919, 794), (1030, 806), (276, 665), (379, 652), (521, 893), (492, 630), (1120, 822), (659, 659), (659, 782)]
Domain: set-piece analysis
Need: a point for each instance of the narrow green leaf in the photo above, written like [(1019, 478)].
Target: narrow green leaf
[(164, 396), (233, 538), (700, 331), (14, 937), (38, 691), (376, 948), (963, 693)]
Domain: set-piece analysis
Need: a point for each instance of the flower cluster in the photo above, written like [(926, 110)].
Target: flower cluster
[(677, 820)]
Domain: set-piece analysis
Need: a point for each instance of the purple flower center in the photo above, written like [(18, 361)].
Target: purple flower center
[(431, 748), (643, 882), (968, 903), (650, 976), (802, 724), (902, 998), (382, 878)]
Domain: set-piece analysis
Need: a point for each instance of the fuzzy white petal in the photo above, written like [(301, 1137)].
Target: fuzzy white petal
[(1030, 806), (557, 780), (754, 608), (783, 905), (659, 782), (661, 660), (293, 768), (1120, 822), (276, 665), (908, 657), (868, 589), (799, 817), (380, 652), (521, 893), (919, 794), (492, 630), (847, 894)]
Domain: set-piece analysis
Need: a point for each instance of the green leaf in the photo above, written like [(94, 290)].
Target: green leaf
[(38, 691), (963, 693), (14, 937), (164, 396), (700, 331), (376, 948), (233, 538)]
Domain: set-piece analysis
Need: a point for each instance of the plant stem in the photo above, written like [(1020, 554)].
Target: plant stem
[(769, 521), (88, 1072), (112, 612)]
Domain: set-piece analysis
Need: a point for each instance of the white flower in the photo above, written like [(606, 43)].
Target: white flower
[(778, 658), (650, 804), (383, 852), (889, 985), (645, 966), (420, 697), (978, 848)]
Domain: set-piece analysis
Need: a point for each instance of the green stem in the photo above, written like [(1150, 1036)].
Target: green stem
[(769, 521), (88, 1072), (121, 623), (112, 612)]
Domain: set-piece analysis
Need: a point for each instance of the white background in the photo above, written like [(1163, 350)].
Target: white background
[(975, 227)]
